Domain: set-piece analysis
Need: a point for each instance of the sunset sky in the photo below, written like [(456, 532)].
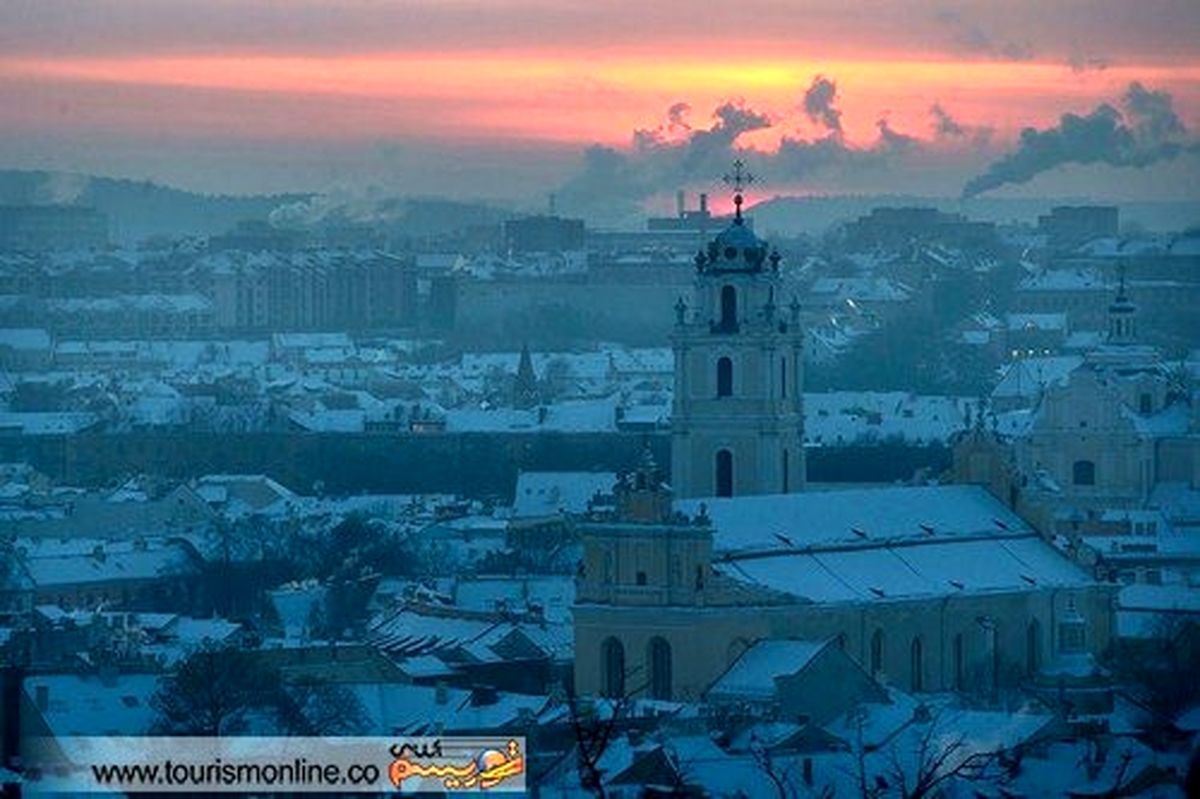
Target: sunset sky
[(501, 98)]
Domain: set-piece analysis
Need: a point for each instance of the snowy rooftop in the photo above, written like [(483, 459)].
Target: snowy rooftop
[(1027, 378), (414, 709), (91, 706), (931, 569), (788, 521), (550, 493), (838, 417), (880, 544), (753, 675)]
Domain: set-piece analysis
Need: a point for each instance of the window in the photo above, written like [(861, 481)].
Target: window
[(785, 471), (1033, 647), (1070, 637), (728, 308), (660, 668), (1145, 404), (960, 681), (641, 578), (918, 665), (783, 377), (724, 481), (724, 377), (1083, 473), (877, 652), (612, 657)]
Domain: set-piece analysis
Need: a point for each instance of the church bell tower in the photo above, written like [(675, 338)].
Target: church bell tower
[(737, 422)]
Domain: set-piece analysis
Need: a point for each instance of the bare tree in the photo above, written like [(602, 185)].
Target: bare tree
[(313, 708), (592, 733), (212, 693), (935, 762)]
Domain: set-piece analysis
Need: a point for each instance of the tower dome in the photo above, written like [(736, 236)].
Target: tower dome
[(736, 249)]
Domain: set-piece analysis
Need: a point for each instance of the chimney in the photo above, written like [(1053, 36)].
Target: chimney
[(42, 697), (703, 204), (680, 203)]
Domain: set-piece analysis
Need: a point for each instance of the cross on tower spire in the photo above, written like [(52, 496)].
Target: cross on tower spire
[(738, 180)]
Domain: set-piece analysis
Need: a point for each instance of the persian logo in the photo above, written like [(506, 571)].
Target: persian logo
[(489, 767)]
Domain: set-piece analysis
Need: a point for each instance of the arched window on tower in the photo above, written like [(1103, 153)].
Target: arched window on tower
[(659, 655), (729, 314), (877, 653), (724, 376), (1083, 473), (612, 661), (724, 473)]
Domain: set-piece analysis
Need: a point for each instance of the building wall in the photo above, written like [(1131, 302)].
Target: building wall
[(706, 640), (1085, 422)]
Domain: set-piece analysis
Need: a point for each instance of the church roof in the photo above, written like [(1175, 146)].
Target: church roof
[(920, 570), (881, 543), (861, 515), (736, 248)]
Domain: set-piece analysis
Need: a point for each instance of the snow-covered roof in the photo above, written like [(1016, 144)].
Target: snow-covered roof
[(25, 339), (786, 521), (933, 569), (752, 676), (1029, 377), (104, 562), (1036, 321), (393, 708), (571, 416), (881, 544), (843, 417), (1170, 597), (861, 289), (1079, 279), (81, 706), (550, 493)]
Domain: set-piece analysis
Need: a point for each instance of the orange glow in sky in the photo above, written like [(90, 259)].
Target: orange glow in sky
[(560, 97)]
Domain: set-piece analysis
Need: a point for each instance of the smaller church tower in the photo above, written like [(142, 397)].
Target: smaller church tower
[(640, 561), (645, 553), (737, 422), (1122, 316)]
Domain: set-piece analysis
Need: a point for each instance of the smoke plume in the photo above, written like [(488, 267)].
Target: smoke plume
[(1144, 131), (819, 104)]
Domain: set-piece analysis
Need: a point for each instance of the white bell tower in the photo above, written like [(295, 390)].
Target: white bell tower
[(737, 422)]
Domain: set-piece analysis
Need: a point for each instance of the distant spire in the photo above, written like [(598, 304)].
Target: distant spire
[(525, 390)]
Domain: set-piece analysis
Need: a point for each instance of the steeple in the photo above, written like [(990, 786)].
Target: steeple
[(737, 419), (525, 388), (1122, 315)]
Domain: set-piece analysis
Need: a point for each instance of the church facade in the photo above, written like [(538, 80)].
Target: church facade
[(931, 588)]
